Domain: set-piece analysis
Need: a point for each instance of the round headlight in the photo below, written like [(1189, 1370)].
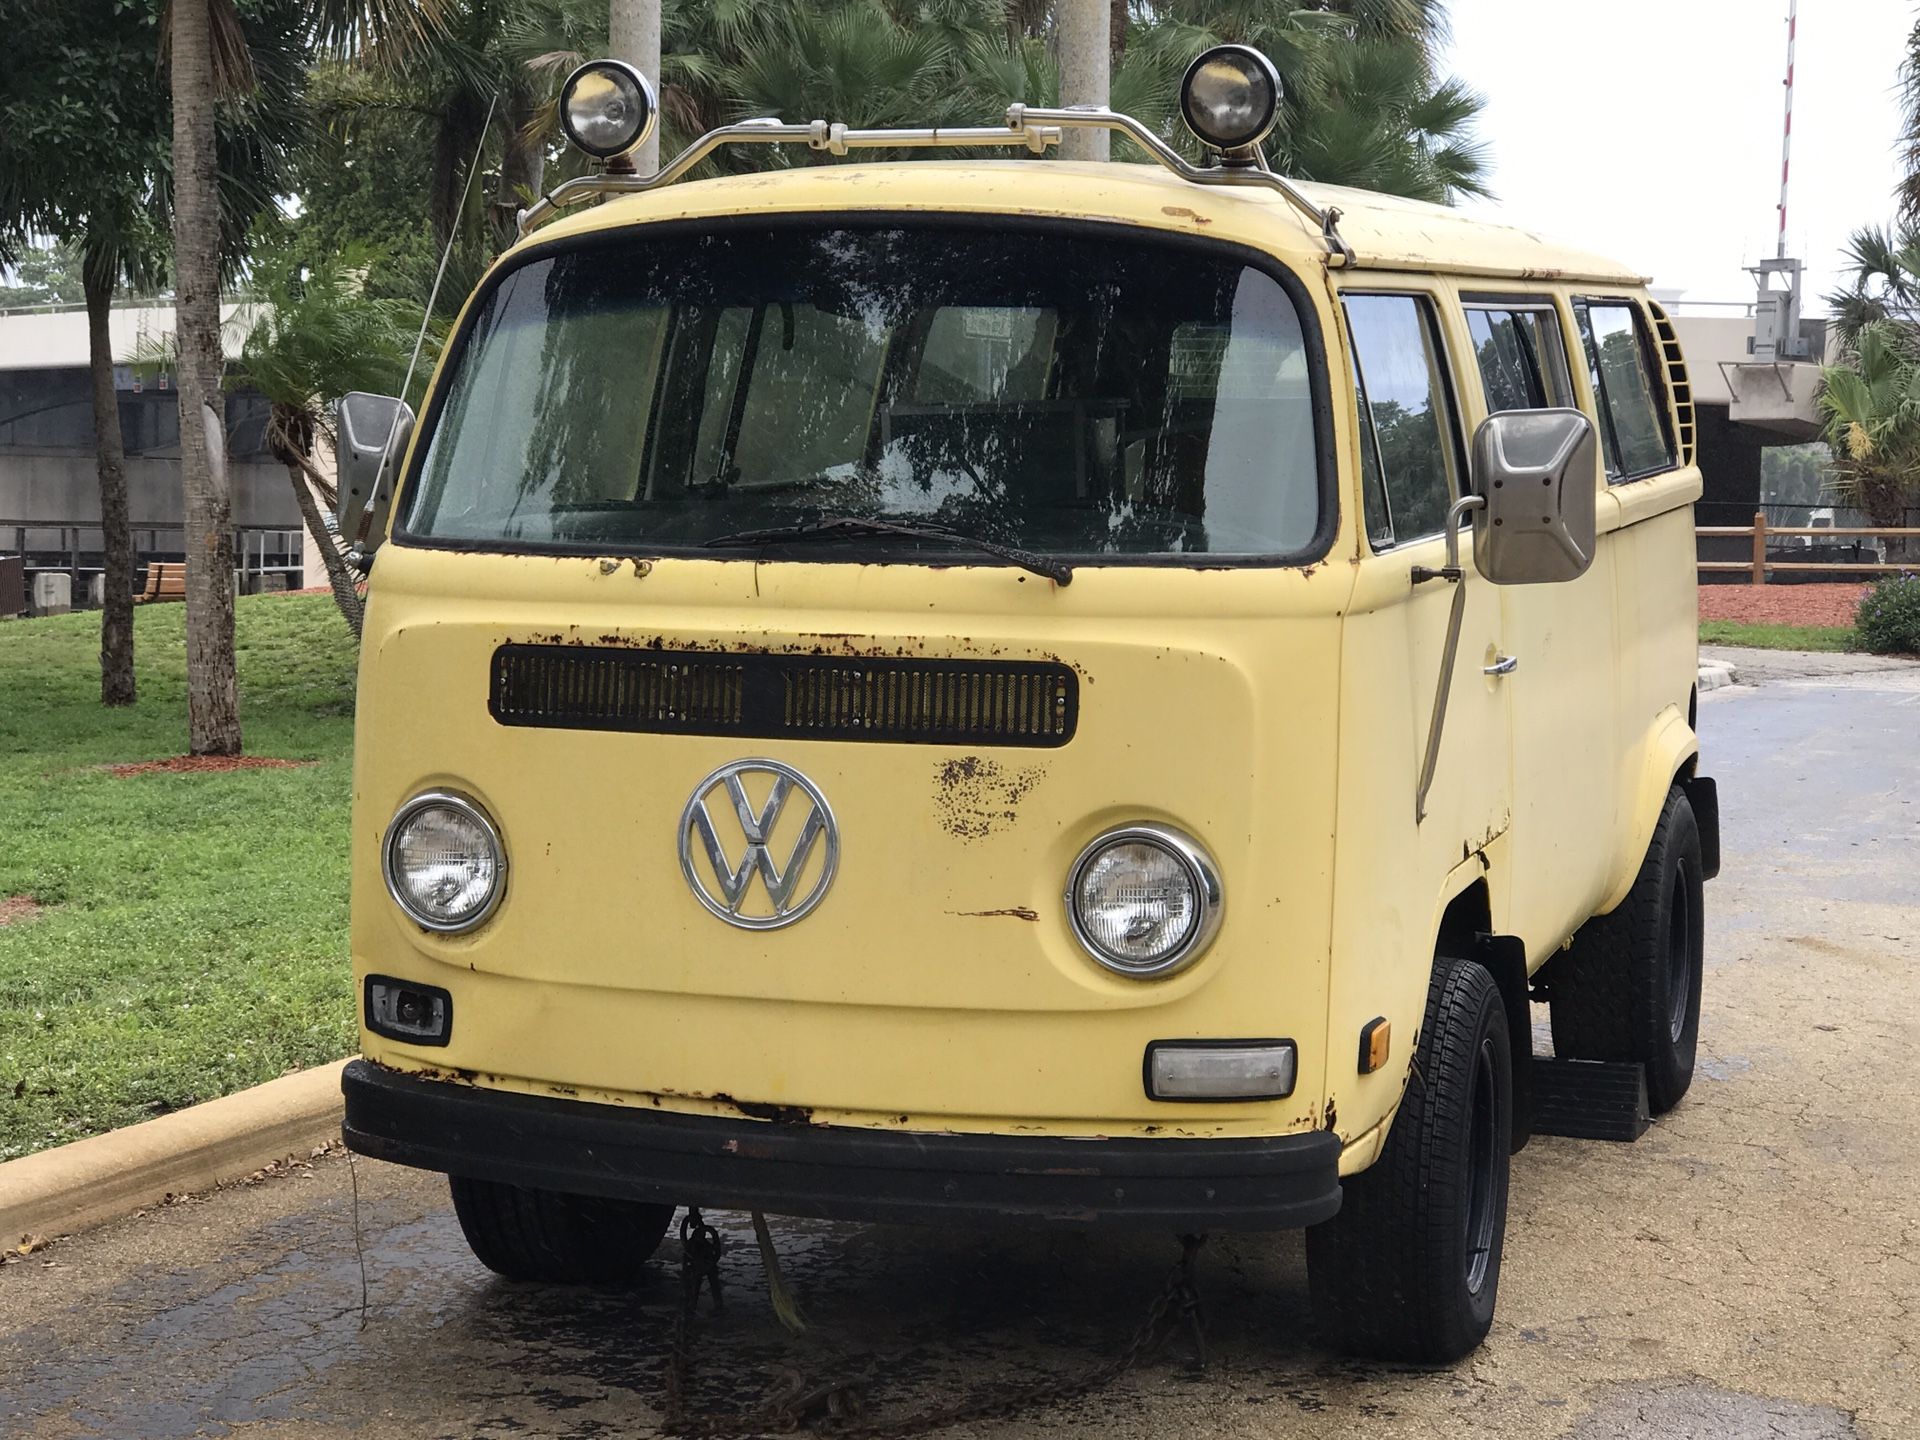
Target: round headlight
[(607, 108), (1144, 900), (444, 863), (1230, 97)]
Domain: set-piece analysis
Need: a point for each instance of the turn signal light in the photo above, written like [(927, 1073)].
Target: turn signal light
[(415, 1014)]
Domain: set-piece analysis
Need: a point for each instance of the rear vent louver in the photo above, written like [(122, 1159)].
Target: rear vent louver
[(932, 702), (1677, 382)]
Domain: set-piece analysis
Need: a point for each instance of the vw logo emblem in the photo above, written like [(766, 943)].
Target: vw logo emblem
[(758, 810)]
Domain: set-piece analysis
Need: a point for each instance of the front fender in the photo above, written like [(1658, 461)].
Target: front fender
[(1666, 748)]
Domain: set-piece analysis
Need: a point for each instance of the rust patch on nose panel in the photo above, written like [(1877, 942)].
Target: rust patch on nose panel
[(974, 796), (1016, 912)]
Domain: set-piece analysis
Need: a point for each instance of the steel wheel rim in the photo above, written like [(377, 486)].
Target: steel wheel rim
[(1679, 957), (1482, 1156)]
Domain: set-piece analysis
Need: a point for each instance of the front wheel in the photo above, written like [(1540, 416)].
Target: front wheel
[(556, 1238), (1410, 1267)]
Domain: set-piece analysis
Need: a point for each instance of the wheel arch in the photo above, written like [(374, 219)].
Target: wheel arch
[(1466, 931), (1669, 754)]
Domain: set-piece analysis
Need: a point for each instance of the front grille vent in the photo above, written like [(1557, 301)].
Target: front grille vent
[(692, 692)]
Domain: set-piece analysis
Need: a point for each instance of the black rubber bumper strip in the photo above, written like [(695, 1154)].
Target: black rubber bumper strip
[(837, 1172)]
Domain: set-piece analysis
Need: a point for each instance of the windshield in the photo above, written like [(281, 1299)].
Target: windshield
[(1069, 394)]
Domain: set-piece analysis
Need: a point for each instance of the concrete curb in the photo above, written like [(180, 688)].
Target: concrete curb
[(1716, 673), (89, 1182)]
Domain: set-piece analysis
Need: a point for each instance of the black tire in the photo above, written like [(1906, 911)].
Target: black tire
[(555, 1238), (1410, 1267), (1629, 988)]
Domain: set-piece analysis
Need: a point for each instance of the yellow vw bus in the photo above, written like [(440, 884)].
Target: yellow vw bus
[(1022, 690)]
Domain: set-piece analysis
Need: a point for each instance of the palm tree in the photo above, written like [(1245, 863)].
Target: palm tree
[(211, 58), (1363, 104), (1884, 284), (213, 696), (1908, 190), (312, 338), (103, 210), (1871, 401)]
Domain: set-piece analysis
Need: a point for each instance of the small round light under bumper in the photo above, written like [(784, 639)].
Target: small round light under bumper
[(444, 863), (1144, 900), (607, 108), (1230, 97)]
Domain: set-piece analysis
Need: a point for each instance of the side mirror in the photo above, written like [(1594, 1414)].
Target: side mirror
[(373, 431), (1535, 471)]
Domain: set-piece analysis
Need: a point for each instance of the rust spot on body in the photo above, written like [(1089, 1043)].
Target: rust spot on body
[(761, 1110), (973, 795), (1181, 212), (1012, 912)]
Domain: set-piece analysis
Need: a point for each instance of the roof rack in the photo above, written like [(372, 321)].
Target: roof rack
[(1028, 127)]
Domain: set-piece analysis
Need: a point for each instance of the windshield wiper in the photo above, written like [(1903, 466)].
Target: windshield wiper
[(833, 527)]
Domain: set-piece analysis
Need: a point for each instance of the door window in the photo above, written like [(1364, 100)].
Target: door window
[(1409, 439), (1633, 425), (1521, 355)]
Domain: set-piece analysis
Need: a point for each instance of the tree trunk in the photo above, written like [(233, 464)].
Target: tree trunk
[(456, 140), (633, 35), (523, 166), (109, 448), (1086, 62), (1117, 30), (339, 577), (213, 701)]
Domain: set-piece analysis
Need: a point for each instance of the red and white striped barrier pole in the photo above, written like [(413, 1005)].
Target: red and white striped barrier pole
[(1786, 135)]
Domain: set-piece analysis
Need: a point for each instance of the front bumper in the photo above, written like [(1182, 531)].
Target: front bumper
[(837, 1172)]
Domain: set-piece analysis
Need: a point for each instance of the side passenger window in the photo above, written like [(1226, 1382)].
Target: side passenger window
[(1633, 423), (1522, 358), (1409, 439)]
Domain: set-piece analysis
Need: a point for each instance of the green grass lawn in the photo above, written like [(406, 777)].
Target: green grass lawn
[(1777, 637), (195, 940)]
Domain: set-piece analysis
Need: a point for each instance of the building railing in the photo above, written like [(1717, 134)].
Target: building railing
[(1760, 533), (76, 549)]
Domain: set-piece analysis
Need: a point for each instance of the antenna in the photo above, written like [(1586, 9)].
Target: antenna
[(1786, 134)]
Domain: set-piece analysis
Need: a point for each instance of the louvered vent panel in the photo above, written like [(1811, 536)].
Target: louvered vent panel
[(785, 697), (1677, 381)]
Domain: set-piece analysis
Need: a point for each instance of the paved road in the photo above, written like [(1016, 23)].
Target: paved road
[(1750, 1268)]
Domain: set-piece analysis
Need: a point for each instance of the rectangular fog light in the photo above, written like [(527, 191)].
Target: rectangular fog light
[(1220, 1069), (414, 1014)]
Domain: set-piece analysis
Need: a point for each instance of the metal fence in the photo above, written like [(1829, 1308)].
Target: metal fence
[(78, 550)]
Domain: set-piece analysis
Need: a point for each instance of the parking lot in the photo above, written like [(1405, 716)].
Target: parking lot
[(1748, 1268)]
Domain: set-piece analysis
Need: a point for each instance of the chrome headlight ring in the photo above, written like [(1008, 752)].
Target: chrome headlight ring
[(468, 809), (1203, 889)]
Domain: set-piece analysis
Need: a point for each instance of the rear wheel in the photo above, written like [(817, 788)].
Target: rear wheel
[(556, 1238), (1629, 988), (1410, 1267)]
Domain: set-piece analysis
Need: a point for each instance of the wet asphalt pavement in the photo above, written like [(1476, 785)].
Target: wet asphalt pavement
[(1749, 1268)]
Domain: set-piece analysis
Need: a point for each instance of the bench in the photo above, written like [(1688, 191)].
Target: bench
[(166, 580)]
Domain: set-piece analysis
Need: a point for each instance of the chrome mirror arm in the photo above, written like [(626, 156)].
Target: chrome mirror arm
[(1456, 512)]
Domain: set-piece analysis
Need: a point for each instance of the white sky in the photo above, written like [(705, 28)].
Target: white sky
[(1649, 130)]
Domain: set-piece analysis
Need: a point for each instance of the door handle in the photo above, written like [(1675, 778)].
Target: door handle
[(1505, 665)]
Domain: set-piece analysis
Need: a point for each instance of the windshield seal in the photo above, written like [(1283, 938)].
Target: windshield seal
[(885, 549)]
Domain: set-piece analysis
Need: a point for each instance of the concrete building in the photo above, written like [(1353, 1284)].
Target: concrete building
[(49, 486)]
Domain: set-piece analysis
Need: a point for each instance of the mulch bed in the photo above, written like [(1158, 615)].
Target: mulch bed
[(14, 909), (204, 765), (1824, 605)]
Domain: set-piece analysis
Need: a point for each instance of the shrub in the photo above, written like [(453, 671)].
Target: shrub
[(1888, 620)]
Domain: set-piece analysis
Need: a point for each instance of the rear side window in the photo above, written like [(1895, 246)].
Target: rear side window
[(1633, 424), (1521, 356), (1409, 438)]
